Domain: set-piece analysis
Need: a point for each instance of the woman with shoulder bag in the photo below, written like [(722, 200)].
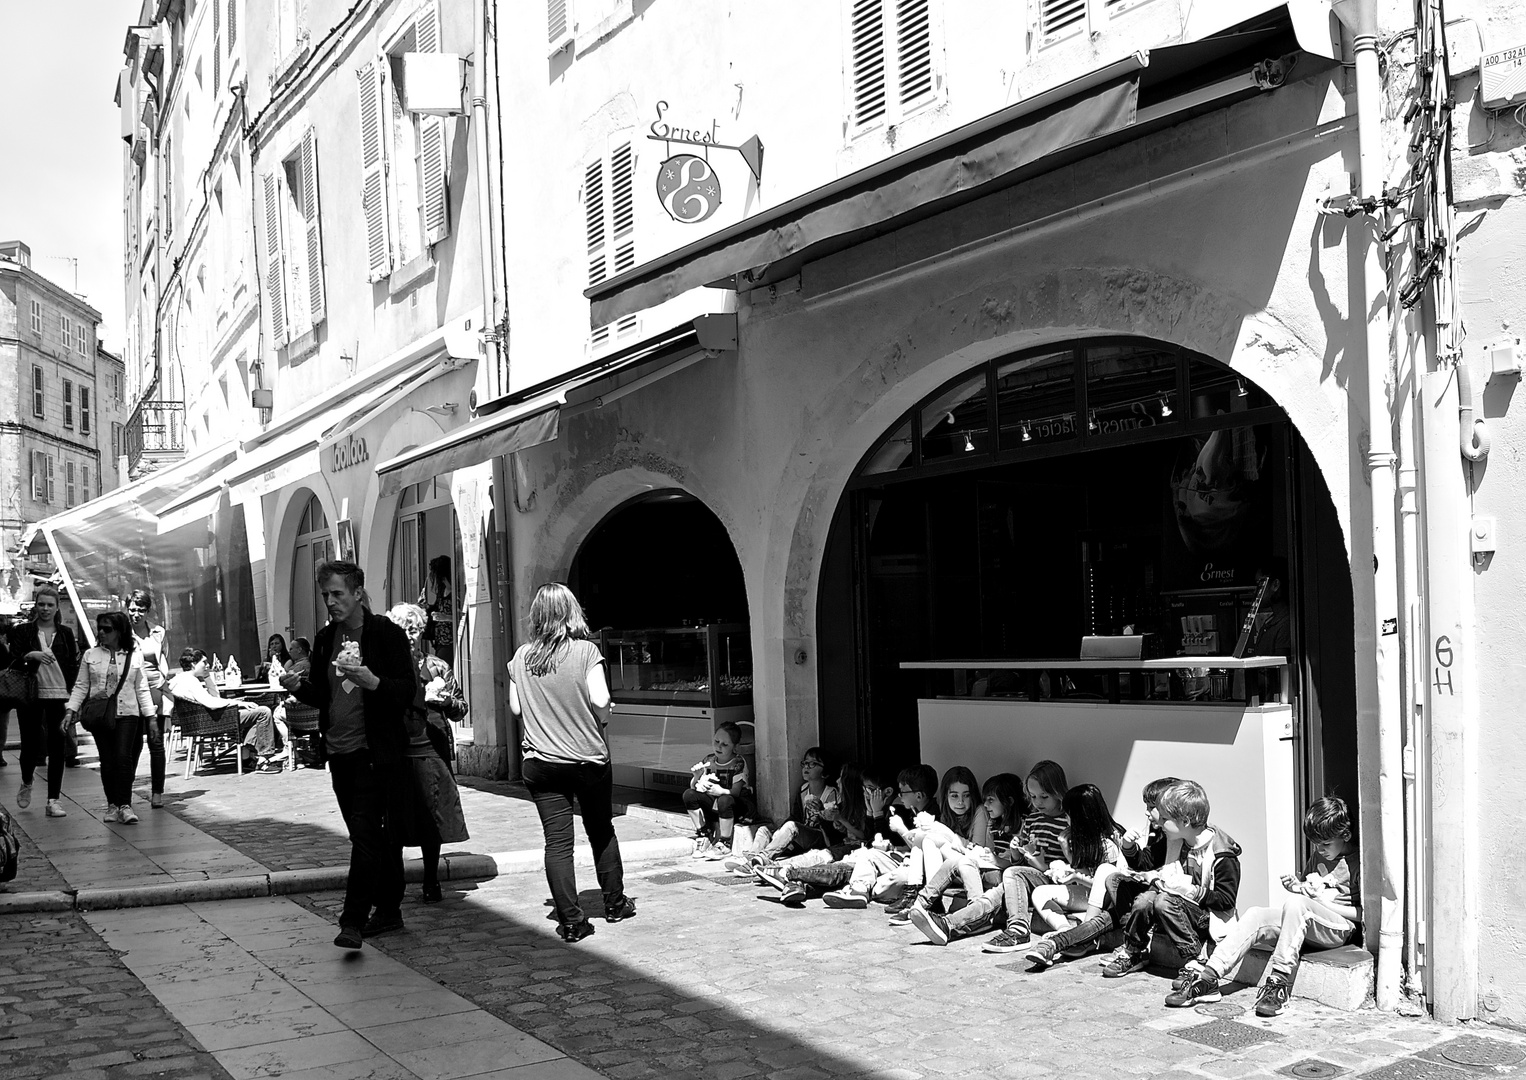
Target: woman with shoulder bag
[(152, 650), (112, 702), (49, 654)]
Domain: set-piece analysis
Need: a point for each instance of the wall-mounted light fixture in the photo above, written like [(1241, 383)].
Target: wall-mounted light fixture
[(447, 409), (1027, 435), (1165, 406), (1240, 390), (969, 443), (1091, 421)]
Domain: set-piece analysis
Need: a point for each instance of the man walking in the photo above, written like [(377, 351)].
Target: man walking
[(362, 683)]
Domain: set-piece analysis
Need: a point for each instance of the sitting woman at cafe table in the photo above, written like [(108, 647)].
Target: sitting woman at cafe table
[(256, 724), (277, 661)]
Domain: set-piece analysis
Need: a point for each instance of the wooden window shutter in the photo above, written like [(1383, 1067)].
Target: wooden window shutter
[(914, 50), (622, 206), (217, 46), (275, 273), (1056, 15), (52, 494), (556, 21), (373, 169), (39, 476), (313, 227), (426, 27), (434, 184), (593, 211), (867, 41), (232, 26)]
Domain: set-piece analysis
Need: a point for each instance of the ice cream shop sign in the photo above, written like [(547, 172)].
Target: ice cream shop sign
[(346, 453), (687, 187)]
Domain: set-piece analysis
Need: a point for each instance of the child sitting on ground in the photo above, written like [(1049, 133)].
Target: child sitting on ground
[(831, 869), (1079, 882), (719, 791), (1322, 911), (1036, 845), (1136, 848), (960, 824), (882, 868), (980, 868), (1198, 875), (805, 828)]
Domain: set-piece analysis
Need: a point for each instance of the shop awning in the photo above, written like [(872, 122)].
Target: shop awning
[(525, 418), (850, 210), (1044, 132)]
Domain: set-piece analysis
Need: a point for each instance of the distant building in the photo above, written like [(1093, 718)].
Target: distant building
[(51, 423)]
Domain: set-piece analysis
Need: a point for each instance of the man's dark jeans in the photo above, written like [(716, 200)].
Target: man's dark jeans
[(376, 850), (553, 785)]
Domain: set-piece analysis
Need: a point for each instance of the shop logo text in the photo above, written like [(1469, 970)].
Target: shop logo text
[(348, 453)]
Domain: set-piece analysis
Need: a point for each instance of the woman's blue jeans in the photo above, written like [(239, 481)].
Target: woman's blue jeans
[(554, 785)]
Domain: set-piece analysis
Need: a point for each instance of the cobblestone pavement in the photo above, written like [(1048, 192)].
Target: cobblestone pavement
[(70, 1008), (290, 821), (715, 979)]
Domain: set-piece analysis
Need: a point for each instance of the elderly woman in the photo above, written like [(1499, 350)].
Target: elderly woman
[(432, 807)]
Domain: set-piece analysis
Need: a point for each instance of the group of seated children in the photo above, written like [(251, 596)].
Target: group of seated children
[(1042, 850)]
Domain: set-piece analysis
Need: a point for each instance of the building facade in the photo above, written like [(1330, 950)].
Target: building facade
[(53, 420)]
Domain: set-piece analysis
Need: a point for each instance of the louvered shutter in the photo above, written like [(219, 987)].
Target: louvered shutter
[(217, 46), (556, 21), (52, 496), (39, 476), (593, 212), (867, 34), (232, 26), (434, 184), (373, 170), (622, 206), (1056, 15), (275, 273), (426, 27), (914, 51), (313, 227)]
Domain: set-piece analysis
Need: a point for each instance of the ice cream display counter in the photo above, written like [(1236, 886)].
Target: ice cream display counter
[(671, 688), (1122, 723)]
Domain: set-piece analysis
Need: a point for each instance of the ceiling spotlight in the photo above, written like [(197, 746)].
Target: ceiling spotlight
[(1240, 390), (969, 443), (1165, 407), (1091, 421), (1027, 435)]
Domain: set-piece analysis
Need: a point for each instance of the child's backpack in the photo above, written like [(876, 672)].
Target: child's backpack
[(10, 847)]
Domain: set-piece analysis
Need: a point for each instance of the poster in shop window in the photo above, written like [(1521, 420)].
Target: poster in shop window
[(1218, 510)]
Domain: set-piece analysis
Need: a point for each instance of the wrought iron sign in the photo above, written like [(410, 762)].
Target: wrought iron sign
[(687, 187)]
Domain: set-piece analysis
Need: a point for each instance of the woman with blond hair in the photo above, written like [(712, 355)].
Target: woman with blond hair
[(432, 809), (558, 690)]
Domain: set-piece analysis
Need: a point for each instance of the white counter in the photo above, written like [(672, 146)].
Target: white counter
[(1241, 755)]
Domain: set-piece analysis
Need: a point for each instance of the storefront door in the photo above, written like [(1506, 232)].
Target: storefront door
[(314, 546)]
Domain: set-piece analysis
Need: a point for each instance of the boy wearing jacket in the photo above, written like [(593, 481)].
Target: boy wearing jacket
[(1195, 872)]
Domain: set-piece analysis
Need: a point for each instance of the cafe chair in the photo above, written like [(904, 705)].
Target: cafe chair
[(301, 731), (214, 731)]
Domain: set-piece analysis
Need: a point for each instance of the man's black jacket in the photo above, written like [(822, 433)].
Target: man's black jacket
[(384, 649)]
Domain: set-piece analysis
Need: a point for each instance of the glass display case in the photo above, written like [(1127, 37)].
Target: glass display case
[(703, 666)]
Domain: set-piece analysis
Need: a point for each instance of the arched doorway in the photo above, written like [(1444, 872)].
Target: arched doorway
[(314, 545), (1100, 488), (424, 562), (663, 588)]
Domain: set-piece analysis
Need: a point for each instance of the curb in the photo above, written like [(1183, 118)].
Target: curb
[(460, 867)]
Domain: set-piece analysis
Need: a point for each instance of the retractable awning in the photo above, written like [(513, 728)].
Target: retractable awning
[(1044, 132), (527, 417)]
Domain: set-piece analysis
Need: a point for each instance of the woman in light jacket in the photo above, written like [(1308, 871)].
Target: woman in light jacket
[(149, 644), (100, 673)]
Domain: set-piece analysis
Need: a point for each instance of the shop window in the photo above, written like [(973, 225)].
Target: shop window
[(894, 453), (955, 423), (1218, 391), (1036, 400), (425, 558), (314, 546), (1130, 388)]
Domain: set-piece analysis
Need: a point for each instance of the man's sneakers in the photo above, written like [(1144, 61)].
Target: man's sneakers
[(1040, 953), (1274, 995), (56, 809), (1125, 961), (625, 909), (379, 924), (24, 796), (934, 927), (846, 898), (1201, 989), (349, 937), (1009, 940), (574, 932)]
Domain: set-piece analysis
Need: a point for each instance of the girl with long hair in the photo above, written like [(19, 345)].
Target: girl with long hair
[(114, 667), (49, 652), (558, 689), (152, 652), (1077, 883)]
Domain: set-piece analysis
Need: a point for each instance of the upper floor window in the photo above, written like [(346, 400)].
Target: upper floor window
[(84, 410), (291, 31), (894, 61), (37, 399), (70, 491), (68, 404), (404, 184), (36, 316), (82, 340), (42, 477), (609, 212), (84, 483), (66, 332), (294, 244), (1054, 20)]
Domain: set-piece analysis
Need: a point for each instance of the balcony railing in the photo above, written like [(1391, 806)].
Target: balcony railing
[(156, 429)]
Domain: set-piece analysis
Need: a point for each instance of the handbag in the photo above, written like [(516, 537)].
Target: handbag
[(99, 715), (18, 686), (10, 847)]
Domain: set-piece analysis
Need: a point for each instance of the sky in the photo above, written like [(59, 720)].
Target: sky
[(60, 143)]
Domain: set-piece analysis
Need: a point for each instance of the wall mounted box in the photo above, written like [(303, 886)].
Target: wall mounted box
[(434, 83)]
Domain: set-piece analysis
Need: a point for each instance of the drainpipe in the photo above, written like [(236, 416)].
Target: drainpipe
[(1360, 18), (495, 384)]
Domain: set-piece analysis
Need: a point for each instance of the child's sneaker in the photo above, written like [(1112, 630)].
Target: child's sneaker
[(1040, 954), (899, 909), (1190, 971), (1203, 989), (719, 850), (934, 927), (1274, 996), (702, 848), (1006, 941), (1126, 960), (793, 894), (845, 898), (55, 809), (770, 875), (24, 796), (738, 864)]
